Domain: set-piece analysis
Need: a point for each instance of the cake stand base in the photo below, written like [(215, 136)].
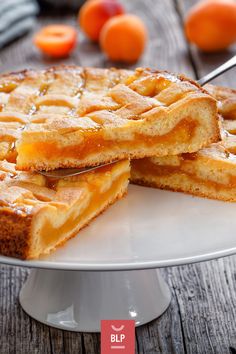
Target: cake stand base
[(79, 300)]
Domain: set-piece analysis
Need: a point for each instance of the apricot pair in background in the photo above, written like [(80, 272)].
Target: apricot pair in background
[(122, 36), (210, 25)]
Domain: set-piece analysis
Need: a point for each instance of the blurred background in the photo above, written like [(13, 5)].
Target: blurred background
[(165, 46)]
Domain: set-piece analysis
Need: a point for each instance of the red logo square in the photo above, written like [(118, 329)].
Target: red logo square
[(117, 337)]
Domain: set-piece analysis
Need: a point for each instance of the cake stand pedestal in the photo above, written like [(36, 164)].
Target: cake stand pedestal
[(79, 300)]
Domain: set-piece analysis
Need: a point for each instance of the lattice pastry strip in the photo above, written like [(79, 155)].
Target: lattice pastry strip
[(18, 108)]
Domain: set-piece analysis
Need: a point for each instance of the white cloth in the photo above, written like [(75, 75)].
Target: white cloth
[(16, 18)]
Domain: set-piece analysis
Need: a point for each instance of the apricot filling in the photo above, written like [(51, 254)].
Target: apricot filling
[(93, 143), (50, 234), (146, 168)]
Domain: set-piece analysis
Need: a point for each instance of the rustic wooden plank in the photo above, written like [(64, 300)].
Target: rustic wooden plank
[(202, 307), (206, 295), (163, 335), (205, 62), (19, 333), (73, 342)]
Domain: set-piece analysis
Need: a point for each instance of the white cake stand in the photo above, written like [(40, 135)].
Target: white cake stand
[(110, 270)]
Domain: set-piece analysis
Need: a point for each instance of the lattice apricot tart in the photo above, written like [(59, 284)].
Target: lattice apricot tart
[(75, 117), (210, 172), (38, 214)]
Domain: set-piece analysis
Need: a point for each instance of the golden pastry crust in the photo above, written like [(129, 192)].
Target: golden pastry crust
[(38, 214), (15, 233), (210, 172), (75, 117)]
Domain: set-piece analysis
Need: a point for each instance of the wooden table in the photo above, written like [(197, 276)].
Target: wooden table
[(202, 315)]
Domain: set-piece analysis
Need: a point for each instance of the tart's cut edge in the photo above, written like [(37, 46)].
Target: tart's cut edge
[(209, 172), (23, 228)]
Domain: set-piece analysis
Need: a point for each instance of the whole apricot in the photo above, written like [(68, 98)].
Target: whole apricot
[(211, 24), (123, 38), (95, 13)]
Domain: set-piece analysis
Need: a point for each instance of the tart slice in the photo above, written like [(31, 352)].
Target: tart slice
[(75, 117), (38, 214), (210, 172)]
